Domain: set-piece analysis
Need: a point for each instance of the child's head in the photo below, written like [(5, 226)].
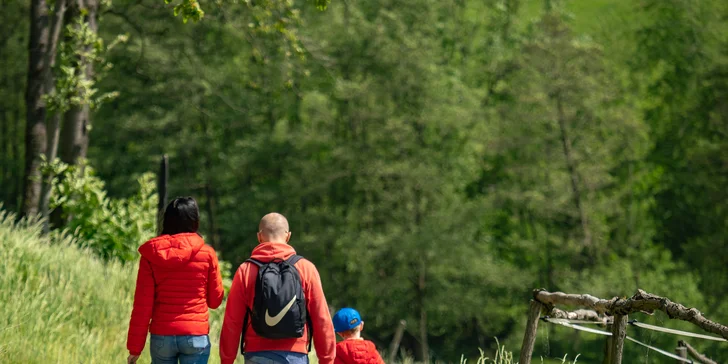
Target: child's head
[(348, 323), (181, 216)]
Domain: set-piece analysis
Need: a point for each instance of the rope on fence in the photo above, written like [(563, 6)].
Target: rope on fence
[(578, 322), (663, 352), (566, 323), (674, 332)]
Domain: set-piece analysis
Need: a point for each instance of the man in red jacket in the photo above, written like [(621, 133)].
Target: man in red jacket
[(273, 236)]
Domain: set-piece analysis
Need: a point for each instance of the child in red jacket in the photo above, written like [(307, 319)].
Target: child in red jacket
[(353, 349)]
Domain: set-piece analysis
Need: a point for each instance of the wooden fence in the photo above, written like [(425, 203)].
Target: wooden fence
[(615, 311)]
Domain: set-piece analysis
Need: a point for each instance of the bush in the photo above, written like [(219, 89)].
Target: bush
[(111, 228)]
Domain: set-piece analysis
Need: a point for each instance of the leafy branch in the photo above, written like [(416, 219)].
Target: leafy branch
[(73, 84)]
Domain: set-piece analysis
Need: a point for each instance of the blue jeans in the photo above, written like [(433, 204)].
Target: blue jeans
[(275, 357), (183, 349)]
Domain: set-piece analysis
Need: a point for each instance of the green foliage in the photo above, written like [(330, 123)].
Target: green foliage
[(189, 9), (14, 62), (113, 228), (73, 86)]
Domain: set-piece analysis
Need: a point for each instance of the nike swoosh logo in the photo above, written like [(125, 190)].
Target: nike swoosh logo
[(272, 321)]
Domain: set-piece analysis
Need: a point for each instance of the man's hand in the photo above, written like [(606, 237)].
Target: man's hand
[(132, 359)]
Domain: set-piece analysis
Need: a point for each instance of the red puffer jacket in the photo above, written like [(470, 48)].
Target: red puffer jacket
[(357, 352), (179, 278)]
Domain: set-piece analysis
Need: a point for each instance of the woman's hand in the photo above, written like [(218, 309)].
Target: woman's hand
[(132, 359)]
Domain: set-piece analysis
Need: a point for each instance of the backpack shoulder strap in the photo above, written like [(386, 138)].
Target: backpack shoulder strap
[(310, 332), (246, 321), (254, 261), (245, 328), (294, 259)]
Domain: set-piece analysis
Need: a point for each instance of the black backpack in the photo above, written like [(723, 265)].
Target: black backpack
[(279, 305)]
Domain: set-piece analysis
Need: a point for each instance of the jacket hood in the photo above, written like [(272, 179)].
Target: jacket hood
[(265, 252), (172, 250)]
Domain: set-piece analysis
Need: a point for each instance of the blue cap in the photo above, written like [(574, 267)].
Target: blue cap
[(346, 319)]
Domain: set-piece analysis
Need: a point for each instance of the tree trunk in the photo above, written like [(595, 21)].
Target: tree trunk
[(210, 205), (77, 120), (74, 134), (35, 128), (6, 165), (394, 345), (5, 157), (17, 184), (424, 347), (54, 129), (73, 138), (571, 166), (42, 46), (54, 124)]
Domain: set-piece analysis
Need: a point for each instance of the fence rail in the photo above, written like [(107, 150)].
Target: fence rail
[(600, 310)]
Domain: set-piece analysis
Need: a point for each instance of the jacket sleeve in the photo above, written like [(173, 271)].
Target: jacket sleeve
[(141, 314), (215, 291), (324, 339), (232, 326)]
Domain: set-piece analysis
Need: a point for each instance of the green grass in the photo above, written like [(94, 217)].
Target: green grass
[(60, 304), (503, 356)]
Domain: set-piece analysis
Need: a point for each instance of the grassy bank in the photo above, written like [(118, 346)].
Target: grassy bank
[(60, 304)]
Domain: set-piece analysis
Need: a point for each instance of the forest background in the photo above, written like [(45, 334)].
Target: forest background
[(437, 160)]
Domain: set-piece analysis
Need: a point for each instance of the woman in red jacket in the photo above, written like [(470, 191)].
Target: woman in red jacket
[(178, 280)]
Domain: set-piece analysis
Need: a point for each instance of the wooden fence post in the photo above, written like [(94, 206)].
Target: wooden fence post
[(619, 331), (529, 338), (162, 190), (394, 346), (682, 352)]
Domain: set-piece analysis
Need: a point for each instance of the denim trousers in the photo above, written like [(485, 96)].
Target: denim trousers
[(186, 349), (275, 357)]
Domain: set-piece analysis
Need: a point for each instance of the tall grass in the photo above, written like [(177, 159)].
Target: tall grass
[(61, 304), (503, 356)]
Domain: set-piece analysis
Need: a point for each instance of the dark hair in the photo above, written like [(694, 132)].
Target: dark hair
[(181, 216)]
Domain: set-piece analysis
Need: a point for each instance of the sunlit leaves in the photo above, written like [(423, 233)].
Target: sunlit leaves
[(191, 9), (81, 48)]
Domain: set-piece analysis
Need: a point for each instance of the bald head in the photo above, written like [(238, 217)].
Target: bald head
[(273, 228)]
